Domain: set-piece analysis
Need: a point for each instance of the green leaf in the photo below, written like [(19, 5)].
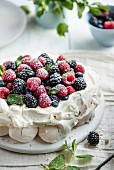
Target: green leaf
[(15, 99), (25, 9), (40, 12), (62, 28), (57, 163), (95, 11), (54, 90), (68, 148), (84, 156), (80, 8), (73, 168), (74, 145), (1, 70), (18, 61), (47, 68), (105, 8), (96, 3), (67, 4)]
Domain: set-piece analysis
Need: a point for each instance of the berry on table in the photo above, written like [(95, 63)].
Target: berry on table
[(70, 90), (93, 138), (30, 101), (33, 83), (4, 92), (35, 64), (68, 78), (44, 101), (11, 65), (64, 66), (26, 73), (9, 76), (61, 58), (79, 68), (63, 91), (22, 66), (42, 74), (40, 90), (79, 84)]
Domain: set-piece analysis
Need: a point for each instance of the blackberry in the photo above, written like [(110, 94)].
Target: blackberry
[(44, 55), (64, 98), (54, 98), (49, 61), (79, 84), (30, 101), (11, 65), (93, 138), (19, 86), (27, 91), (26, 73), (55, 79), (78, 74), (72, 63), (2, 83), (54, 69)]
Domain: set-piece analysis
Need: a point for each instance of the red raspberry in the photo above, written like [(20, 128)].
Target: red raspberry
[(4, 92), (35, 64), (63, 66), (10, 86), (42, 60), (33, 83), (26, 61), (60, 58), (42, 74), (22, 66), (109, 24), (28, 57), (79, 68), (40, 90), (63, 91), (44, 101), (9, 76), (68, 78), (70, 90)]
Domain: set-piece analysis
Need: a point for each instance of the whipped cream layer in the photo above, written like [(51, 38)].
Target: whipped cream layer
[(51, 124)]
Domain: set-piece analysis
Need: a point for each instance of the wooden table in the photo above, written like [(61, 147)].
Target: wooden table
[(37, 39)]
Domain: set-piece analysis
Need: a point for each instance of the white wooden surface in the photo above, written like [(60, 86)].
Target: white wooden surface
[(36, 38)]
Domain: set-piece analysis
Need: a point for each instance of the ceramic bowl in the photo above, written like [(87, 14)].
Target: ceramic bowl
[(105, 37)]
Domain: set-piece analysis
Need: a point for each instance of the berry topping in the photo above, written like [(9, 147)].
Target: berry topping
[(78, 74), (42, 60), (60, 58), (49, 61), (10, 86), (9, 76), (33, 83), (70, 90), (79, 68), (54, 69), (27, 57), (93, 138), (63, 66), (42, 74), (26, 73), (35, 64), (63, 91), (79, 84), (44, 101), (19, 86), (4, 92), (10, 65), (68, 78), (26, 61), (2, 83), (109, 24), (54, 97), (30, 101), (44, 55), (55, 79), (72, 63), (55, 103), (22, 66), (40, 90), (5, 63)]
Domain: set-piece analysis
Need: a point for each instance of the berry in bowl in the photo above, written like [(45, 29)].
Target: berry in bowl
[(102, 27)]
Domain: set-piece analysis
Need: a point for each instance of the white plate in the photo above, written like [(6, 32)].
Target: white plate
[(38, 146), (12, 22)]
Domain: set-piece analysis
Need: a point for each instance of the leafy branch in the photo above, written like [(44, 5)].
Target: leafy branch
[(59, 163)]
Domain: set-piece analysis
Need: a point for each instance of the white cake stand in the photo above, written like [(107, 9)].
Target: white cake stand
[(38, 146)]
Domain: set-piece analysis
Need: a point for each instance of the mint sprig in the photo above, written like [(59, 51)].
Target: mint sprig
[(53, 90), (1, 70), (15, 99), (25, 9), (18, 61)]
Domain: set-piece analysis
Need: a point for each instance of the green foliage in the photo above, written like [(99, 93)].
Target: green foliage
[(18, 61), (62, 28), (25, 9), (14, 99), (54, 90), (1, 70)]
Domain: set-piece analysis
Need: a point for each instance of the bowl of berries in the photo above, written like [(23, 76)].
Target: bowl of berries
[(102, 27)]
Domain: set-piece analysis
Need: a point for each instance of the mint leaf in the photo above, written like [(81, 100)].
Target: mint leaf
[(73, 168), (62, 28), (74, 145), (1, 70), (15, 99), (84, 156), (68, 148), (105, 8), (80, 8), (47, 68), (54, 90), (95, 11), (25, 9), (67, 4), (57, 163), (18, 61)]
